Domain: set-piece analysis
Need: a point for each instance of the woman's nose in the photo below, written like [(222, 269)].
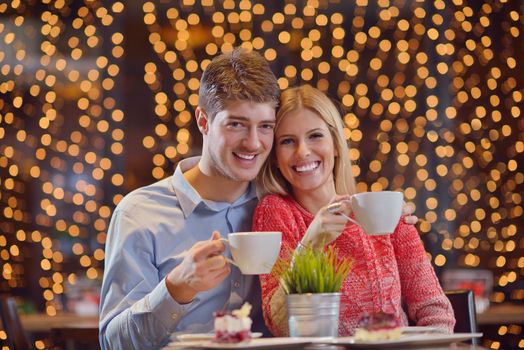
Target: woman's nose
[(303, 150)]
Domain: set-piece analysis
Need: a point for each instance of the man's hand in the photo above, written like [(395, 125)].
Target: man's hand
[(408, 210), (203, 268)]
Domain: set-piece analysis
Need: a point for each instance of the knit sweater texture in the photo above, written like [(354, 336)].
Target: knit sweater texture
[(387, 272)]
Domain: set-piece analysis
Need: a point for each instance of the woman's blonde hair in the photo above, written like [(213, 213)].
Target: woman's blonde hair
[(270, 179)]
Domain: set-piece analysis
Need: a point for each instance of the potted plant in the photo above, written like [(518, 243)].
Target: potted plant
[(311, 280)]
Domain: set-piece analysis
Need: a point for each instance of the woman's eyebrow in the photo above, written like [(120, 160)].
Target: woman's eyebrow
[(307, 132)]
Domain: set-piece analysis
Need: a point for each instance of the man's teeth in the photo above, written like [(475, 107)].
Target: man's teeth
[(307, 167), (245, 156)]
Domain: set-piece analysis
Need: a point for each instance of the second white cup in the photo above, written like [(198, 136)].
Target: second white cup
[(377, 213)]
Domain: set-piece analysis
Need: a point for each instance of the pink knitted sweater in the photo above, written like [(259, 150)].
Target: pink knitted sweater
[(386, 270)]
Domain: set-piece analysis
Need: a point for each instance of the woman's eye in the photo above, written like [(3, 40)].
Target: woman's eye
[(316, 135), (285, 141)]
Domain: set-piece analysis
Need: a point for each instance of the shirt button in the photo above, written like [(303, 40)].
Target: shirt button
[(174, 316), (236, 284)]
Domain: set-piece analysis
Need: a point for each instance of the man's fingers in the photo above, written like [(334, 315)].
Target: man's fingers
[(215, 235), (408, 208), (411, 219), (207, 249), (222, 275), (214, 263)]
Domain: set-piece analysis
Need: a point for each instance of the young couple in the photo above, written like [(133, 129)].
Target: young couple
[(165, 269)]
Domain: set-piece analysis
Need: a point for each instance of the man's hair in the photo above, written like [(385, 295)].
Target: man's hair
[(270, 180), (237, 75)]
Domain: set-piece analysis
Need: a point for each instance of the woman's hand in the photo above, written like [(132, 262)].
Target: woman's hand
[(408, 210), (328, 224)]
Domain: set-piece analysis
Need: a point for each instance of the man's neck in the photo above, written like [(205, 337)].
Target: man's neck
[(215, 187)]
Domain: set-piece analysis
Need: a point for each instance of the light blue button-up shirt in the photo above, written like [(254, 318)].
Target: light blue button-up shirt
[(150, 230)]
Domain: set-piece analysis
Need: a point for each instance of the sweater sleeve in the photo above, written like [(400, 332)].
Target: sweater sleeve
[(421, 290), (273, 214)]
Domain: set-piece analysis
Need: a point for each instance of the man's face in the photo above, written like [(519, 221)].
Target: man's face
[(238, 140)]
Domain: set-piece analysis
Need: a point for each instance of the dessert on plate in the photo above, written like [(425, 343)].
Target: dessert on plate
[(378, 326), (233, 327)]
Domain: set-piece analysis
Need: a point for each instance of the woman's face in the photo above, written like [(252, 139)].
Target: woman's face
[(305, 151)]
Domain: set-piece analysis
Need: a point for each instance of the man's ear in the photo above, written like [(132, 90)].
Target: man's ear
[(202, 120)]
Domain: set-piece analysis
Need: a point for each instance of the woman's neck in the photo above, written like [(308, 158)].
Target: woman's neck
[(314, 200)]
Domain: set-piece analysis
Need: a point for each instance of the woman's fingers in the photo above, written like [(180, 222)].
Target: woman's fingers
[(340, 198), (407, 210)]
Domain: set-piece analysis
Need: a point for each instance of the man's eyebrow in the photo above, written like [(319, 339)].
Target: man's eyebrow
[(238, 117), (246, 119)]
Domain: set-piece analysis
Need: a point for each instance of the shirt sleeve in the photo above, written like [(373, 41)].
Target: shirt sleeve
[(272, 214), (421, 290), (136, 309)]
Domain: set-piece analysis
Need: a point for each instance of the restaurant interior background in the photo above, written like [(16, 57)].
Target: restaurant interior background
[(97, 99)]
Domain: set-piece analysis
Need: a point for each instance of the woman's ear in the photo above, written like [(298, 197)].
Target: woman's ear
[(202, 120)]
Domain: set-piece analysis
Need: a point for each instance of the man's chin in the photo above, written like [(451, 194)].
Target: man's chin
[(244, 175), (245, 178)]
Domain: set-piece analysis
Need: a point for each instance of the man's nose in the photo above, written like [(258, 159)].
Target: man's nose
[(252, 140)]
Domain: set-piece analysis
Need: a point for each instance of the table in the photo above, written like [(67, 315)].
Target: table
[(502, 314), (42, 323), (452, 346), (68, 331)]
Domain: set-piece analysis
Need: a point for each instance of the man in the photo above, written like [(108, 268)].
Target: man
[(165, 270)]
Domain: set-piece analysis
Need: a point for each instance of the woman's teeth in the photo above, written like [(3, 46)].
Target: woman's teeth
[(307, 167)]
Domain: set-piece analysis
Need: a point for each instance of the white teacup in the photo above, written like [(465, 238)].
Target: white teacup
[(254, 253), (377, 213)]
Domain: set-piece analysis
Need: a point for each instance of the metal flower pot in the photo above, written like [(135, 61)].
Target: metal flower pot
[(313, 315)]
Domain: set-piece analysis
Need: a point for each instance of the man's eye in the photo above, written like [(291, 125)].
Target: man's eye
[(267, 126), (234, 124)]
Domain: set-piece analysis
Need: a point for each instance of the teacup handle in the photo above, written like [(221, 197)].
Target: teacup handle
[(226, 241), (333, 208)]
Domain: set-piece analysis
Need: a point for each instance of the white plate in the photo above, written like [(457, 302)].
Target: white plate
[(260, 343), (206, 336), (408, 339), (421, 329)]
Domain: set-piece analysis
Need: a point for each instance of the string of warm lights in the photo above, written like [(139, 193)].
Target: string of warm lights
[(61, 138), (431, 93), (417, 124)]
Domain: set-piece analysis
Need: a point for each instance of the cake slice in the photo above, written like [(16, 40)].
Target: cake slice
[(234, 327), (378, 326)]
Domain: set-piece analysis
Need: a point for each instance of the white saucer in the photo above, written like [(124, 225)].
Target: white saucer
[(206, 336)]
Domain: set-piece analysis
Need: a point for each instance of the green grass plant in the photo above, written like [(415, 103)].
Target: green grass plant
[(313, 271)]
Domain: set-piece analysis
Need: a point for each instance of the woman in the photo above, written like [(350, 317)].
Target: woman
[(309, 169)]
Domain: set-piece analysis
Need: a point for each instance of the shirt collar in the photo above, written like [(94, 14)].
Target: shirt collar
[(189, 198)]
